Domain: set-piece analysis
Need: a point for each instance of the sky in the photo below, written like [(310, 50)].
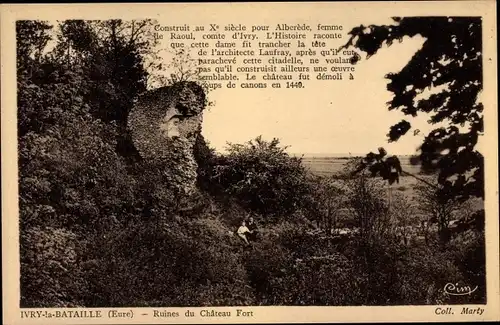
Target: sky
[(327, 117)]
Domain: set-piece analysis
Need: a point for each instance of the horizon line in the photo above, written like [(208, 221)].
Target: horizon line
[(343, 154)]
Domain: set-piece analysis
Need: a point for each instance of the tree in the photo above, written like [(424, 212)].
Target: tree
[(119, 59), (75, 84), (326, 199), (182, 67), (370, 209), (402, 213), (440, 209), (206, 159), (32, 37), (262, 176), (449, 64), (389, 168)]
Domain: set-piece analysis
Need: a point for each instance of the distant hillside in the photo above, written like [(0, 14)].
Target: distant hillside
[(326, 165)]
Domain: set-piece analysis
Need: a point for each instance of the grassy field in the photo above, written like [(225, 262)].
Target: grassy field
[(331, 165)]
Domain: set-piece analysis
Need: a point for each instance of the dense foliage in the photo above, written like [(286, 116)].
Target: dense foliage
[(262, 177), (73, 176), (449, 65)]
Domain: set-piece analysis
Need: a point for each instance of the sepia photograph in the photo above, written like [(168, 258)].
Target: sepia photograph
[(288, 162)]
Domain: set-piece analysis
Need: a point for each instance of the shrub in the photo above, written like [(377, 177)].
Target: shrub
[(263, 177), (370, 208), (166, 264), (438, 207), (469, 254), (324, 201), (49, 268), (265, 264), (423, 274), (332, 276)]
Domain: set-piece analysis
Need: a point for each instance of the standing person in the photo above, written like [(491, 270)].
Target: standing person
[(242, 231)]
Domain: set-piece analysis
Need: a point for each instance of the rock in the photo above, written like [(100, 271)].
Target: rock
[(164, 124)]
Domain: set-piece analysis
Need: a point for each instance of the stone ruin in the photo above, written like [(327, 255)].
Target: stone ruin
[(164, 124)]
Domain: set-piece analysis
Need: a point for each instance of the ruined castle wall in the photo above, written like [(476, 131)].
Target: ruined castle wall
[(164, 124)]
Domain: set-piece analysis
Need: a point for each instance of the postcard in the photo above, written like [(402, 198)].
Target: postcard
[(249, 162)]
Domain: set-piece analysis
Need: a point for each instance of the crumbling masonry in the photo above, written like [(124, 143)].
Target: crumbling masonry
[(164, 124)]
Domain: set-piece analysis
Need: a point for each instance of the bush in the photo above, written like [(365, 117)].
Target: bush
[(469, 254), (166, 264), (50, 274), (423, 274), (263, 265), (263, 177), (370, 208), (288, 260), (318, 281)]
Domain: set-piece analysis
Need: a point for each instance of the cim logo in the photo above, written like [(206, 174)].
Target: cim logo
[(459, 290)]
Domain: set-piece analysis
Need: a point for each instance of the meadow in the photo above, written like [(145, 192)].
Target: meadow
[(331, 165)]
